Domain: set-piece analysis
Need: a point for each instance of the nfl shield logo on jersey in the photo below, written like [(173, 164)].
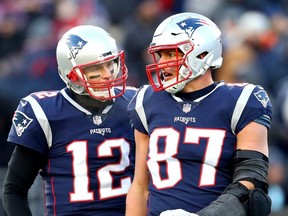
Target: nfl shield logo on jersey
[(186, 107), (97, 120)]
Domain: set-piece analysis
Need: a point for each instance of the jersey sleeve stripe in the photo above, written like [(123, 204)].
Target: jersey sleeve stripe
[(240, 105), (139, 107), (41, 118)]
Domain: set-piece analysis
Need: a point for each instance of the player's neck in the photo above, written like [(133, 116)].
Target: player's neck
[(199, 83), (93, 105)]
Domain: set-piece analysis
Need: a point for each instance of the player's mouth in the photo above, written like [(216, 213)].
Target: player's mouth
[(167, 76)]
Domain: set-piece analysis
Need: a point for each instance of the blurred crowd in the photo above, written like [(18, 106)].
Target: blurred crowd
[(255, 39)]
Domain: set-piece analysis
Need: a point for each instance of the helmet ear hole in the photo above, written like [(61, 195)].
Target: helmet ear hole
[(202, 55)]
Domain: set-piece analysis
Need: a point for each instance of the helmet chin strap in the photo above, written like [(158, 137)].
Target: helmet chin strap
[(98, 94), (177, 87)]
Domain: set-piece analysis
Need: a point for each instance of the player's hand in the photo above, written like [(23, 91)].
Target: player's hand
[(177, 212)]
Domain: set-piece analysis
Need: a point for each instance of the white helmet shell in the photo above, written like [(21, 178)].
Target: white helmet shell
[(86, 45), (193, 34)]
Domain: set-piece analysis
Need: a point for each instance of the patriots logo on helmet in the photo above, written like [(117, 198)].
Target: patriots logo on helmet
[(75, 43), (20, 122), (262, 97), (191, 24)]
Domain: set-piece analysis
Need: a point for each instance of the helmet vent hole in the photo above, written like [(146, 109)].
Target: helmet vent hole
[(202, 55)]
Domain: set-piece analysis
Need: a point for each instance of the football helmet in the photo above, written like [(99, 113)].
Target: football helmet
[(192, 34), (88, 45)]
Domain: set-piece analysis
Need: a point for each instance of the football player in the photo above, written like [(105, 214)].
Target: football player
[(79, 138), (201, 145)]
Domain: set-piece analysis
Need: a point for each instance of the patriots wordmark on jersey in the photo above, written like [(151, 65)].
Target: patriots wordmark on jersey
[(90, 157), (192, 143)]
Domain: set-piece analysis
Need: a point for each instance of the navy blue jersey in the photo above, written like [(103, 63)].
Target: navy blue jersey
[(192, 139), (90, 157)]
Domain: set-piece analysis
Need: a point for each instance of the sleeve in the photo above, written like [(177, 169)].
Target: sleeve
[(253, 104), (23, 168), (25, 129), (137, 112)]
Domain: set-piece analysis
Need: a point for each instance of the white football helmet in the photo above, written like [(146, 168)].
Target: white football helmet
[(192, 34), (88, 45)]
